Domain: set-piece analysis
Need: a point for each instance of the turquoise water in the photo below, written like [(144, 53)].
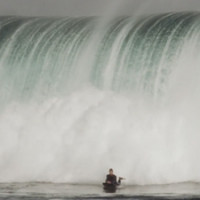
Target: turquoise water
[(78, 96), (42, 57)]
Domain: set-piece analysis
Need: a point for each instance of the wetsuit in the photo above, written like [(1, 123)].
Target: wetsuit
[(113, 179)]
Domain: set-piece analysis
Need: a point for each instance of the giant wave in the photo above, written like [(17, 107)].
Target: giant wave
[(78, 97)]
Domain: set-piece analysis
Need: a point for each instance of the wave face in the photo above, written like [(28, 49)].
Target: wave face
[(79, 96)]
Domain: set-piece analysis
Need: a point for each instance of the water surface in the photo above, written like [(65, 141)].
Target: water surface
[(54, 191)]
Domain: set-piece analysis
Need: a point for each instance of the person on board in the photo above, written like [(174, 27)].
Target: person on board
[(112, 179)]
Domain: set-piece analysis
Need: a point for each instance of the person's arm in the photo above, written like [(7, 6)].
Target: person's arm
[(119, 181), (107, 179), (115, 180)]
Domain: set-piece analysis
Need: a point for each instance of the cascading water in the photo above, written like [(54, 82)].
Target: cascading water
[(72, 108)]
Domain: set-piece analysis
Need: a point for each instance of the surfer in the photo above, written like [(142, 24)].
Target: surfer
[(111, 182), (112, 179)]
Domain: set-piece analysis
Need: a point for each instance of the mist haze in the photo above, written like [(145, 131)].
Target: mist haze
[(75, 8)]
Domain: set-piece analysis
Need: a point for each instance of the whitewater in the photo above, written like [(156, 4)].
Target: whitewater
[(76, 99)]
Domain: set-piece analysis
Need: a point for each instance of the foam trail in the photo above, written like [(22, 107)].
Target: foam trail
[(75, 102)]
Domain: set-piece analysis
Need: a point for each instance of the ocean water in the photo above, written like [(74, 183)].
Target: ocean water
[(54, 191)]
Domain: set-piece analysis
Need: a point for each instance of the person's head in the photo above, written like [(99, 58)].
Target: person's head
[(111, 171)]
